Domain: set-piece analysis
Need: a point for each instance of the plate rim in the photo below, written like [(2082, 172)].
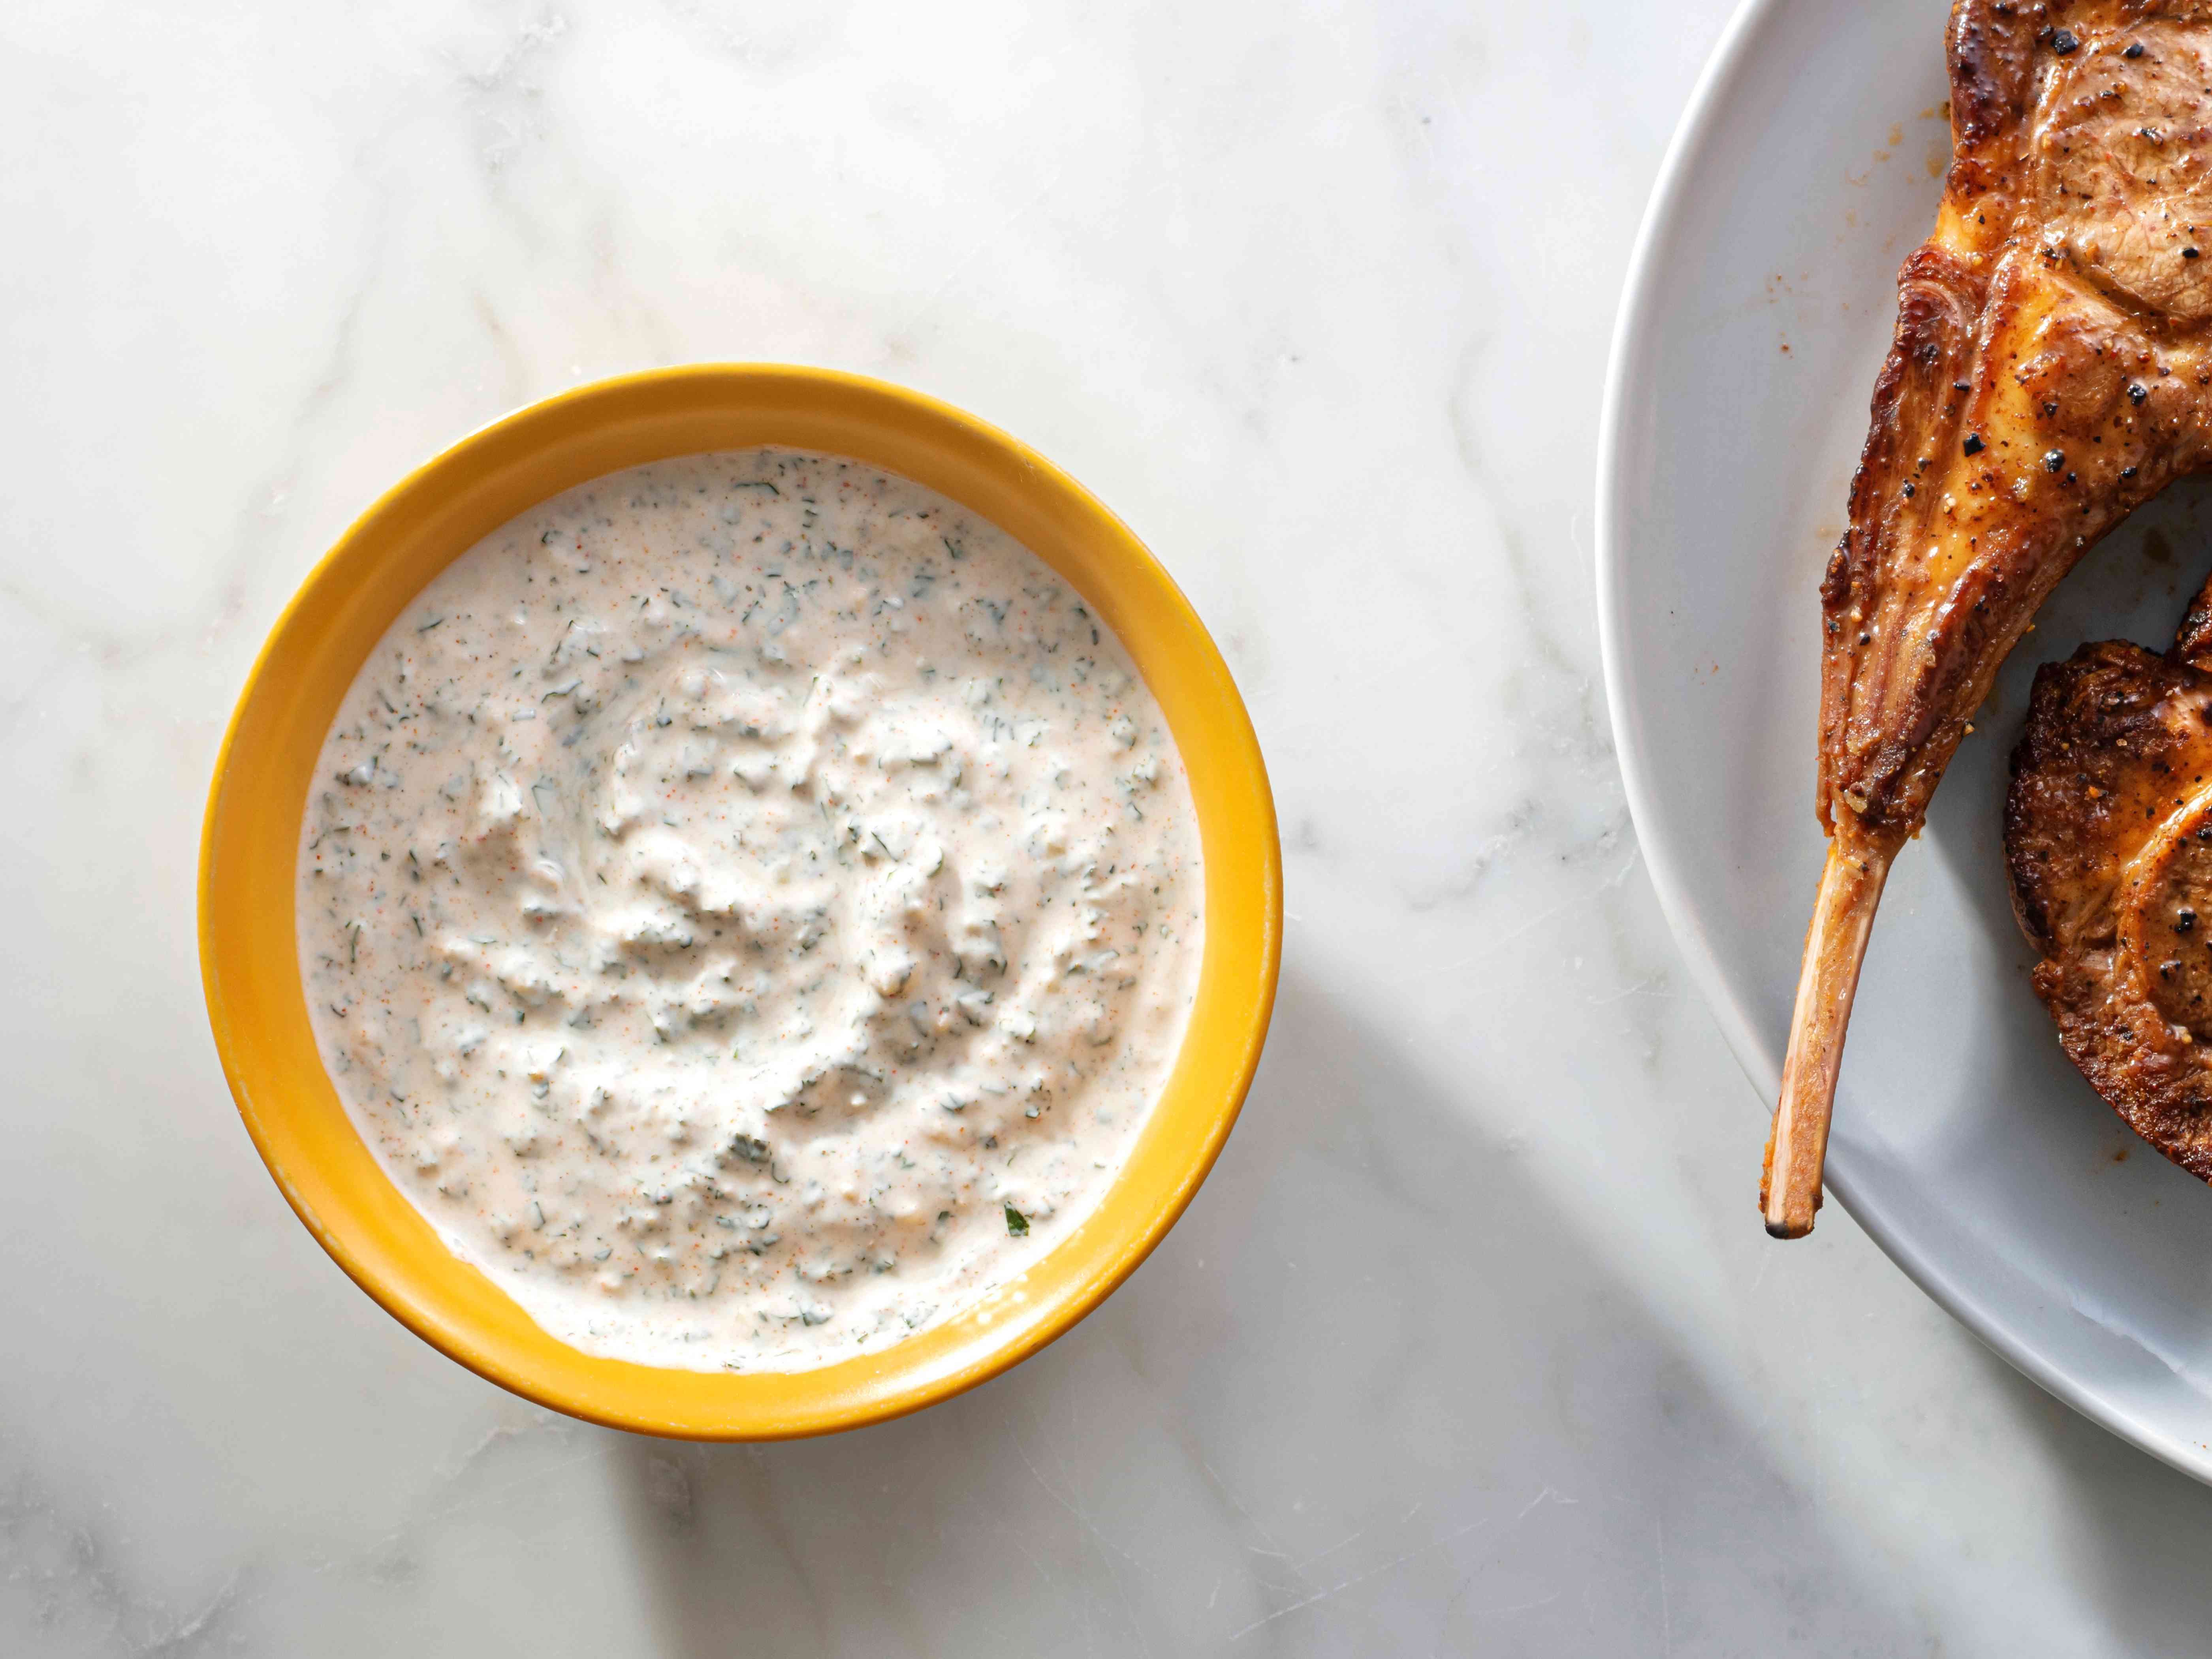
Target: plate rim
[(1635, 323)]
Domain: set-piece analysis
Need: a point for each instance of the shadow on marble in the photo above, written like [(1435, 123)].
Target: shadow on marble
[(1374, 1394), (2143, 1525)]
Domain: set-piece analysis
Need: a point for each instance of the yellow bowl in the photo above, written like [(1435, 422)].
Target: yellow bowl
[(249, 852)]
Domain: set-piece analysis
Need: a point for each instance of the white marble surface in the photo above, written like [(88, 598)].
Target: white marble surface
[(1472, 1344)]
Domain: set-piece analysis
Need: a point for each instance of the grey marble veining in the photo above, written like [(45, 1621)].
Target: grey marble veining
[(1472, 1344)]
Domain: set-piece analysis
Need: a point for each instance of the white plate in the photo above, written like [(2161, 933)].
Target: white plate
[(1758, 310)]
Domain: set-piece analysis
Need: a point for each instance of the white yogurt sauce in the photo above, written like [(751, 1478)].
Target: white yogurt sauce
[(750, 905)]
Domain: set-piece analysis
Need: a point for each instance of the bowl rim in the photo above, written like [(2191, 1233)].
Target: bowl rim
[(244, 983)]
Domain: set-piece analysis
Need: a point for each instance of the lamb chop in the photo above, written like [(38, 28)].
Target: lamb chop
[(2108, 835), (2050, 372)]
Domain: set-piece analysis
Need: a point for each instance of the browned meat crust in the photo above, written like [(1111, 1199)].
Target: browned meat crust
[(2051, 369), (2049, 373), (2108, 838)]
